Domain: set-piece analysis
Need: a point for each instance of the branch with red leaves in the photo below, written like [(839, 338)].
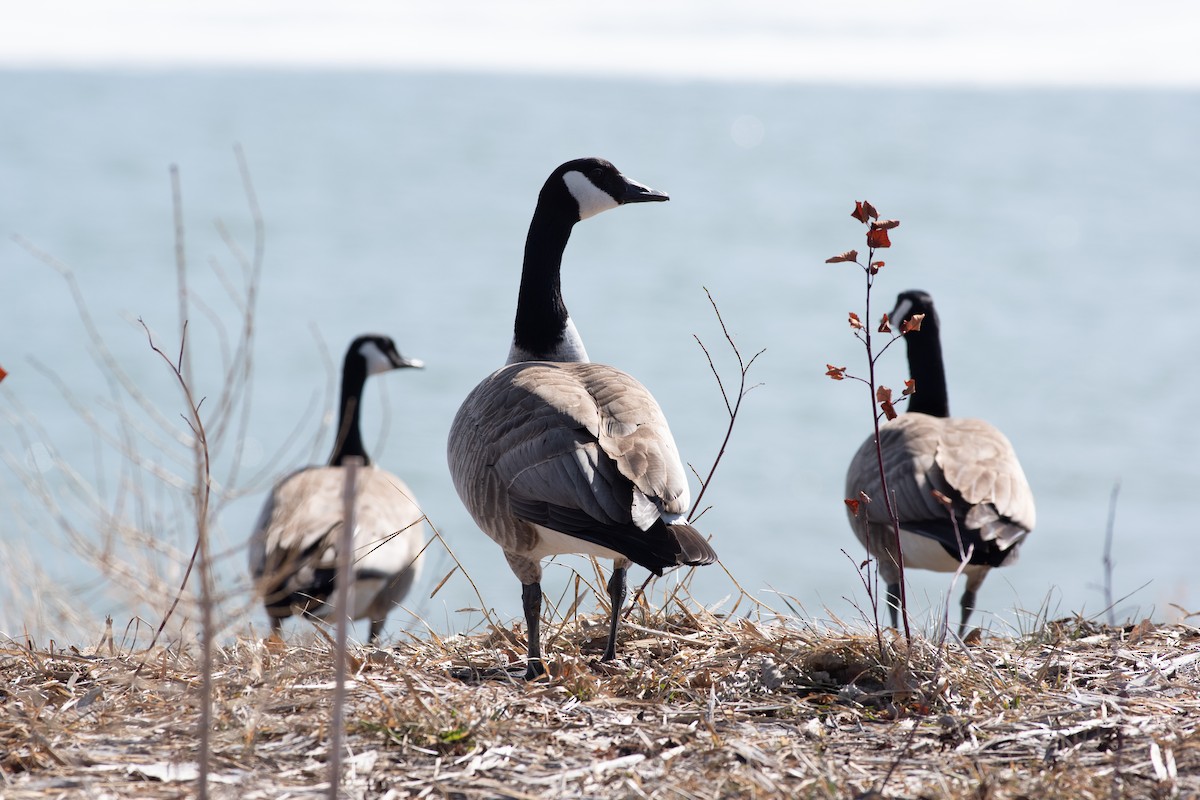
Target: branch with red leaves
[(882, 398), (877, 237)]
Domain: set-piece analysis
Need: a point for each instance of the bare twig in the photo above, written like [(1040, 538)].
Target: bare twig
[(342, 606), (866, 576), (197, 427), (1108, 561), (889, 502), (732, 407)]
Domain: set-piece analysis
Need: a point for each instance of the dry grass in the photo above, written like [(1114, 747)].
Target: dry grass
[(700, 706)]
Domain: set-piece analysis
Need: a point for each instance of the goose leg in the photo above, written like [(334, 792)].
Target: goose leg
[(893, 600), (968, 605), (616, 596), (531, 600), (974, 581), (376, 629)]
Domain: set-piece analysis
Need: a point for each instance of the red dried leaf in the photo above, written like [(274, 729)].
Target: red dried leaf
[(884, 224), (864, 212), (913, 323), (878, 238), (837, 373), (853, 505), (849, 255), (941, 498), (855, 322), (3, 374), (884, 395), (876, 265), (885, 325), (910, 386)]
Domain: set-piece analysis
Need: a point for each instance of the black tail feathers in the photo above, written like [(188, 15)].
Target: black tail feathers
[(694, 549)]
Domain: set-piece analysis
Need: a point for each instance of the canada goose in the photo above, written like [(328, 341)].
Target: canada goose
[(926, 449), (553, 454), (292, 550)]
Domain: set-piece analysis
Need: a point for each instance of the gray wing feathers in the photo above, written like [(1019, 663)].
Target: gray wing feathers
[(304, 513), (620, 415), (980, 463), (564, 469), (301, 510), (575, 435), (965, 458), (636, 436), (908, 458)]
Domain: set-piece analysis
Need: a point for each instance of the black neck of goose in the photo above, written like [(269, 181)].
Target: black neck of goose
[(349, 438), (926, 367), (541, 313)]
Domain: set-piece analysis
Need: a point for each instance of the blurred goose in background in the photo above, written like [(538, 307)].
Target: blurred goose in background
[(967, 460), (553, 454), (293, 557)]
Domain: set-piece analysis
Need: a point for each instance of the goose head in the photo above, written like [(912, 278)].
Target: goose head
[(576, 190), (585, 187), (367, 355), (374, 353), (913, 301)]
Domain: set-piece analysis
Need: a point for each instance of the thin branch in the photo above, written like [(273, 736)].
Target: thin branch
[(743, 390), (731, 408), (1108, 560), (342, 586), (197, 548), (861, 329), (889, 503)]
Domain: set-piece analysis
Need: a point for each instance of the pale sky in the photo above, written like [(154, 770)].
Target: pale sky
[(1015, 42)]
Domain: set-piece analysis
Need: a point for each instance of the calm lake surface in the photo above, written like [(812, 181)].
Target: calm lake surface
[(1053, 228)]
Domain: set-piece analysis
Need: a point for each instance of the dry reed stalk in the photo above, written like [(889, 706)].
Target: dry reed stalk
[(342, 603)]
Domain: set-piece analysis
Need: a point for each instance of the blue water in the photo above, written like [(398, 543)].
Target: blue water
[(1051, 226)]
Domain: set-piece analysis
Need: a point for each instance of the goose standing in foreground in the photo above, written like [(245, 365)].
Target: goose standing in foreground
[(553, 454), (293, 557), (967, 460)]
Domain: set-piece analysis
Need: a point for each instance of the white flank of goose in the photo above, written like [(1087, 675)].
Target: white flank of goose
[(926, 449), (293, 557), (553, 454)]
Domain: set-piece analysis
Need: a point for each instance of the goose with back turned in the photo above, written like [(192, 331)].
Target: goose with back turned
[(968, 461), (553, 454), (293, 554)]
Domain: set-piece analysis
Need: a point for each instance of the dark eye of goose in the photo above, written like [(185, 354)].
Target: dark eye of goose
[(597, 174)]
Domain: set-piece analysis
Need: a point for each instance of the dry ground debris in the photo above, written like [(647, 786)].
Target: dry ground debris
[(700, 706)]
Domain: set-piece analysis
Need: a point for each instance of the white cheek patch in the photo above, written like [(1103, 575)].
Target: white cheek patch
[(591, 198), (377, 360), (901, 312)]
